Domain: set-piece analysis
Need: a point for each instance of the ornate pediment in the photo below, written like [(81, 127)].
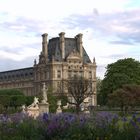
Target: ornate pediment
[(74, 55)]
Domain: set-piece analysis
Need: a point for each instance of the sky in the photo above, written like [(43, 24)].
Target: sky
[(110, 28)]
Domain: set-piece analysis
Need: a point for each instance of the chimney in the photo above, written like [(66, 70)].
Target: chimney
[(45, 45), (80, 43), (62, 44)]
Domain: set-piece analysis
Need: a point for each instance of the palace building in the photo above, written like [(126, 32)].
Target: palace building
[(61, 58)]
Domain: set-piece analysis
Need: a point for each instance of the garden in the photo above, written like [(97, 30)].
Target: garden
[(69, 126)]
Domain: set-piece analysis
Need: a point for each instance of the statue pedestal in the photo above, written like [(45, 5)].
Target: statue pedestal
[(86, 111), (59, 110), (33, 112), (43, 107), (86, 104)]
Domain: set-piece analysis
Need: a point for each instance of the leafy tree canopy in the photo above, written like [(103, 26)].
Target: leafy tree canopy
[(127, 96), (10, 92), (98, 88), (124, 71), (11, 97)]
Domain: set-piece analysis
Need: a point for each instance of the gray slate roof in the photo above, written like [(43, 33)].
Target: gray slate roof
[(25, 73), (54, 50)]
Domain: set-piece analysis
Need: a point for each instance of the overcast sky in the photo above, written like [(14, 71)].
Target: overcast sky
[(110, 28)]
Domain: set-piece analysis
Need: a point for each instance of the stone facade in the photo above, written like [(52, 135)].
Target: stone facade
[(60, 59)]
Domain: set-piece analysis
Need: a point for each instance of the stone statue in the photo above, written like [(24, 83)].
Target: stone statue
[(44, 91), (66, 106), (35, 101), (86, 104), (33, 109), (23, 108), (34, 104), (59, 110)]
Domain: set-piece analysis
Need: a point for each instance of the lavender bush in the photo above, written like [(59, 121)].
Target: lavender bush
[(67, 126)]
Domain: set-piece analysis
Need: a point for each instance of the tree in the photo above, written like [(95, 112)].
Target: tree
[(5, 101), (11, 98), (133, 92), (124, 71), (98, 87), (79, 89), (10, 92), (29, 100), (118, 98), (125, 97), (17, 100)]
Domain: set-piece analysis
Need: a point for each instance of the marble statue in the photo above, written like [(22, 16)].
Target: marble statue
[(34, 104), (59, 110), (66, 106), (44, 91), (33, 109), (23, 108)]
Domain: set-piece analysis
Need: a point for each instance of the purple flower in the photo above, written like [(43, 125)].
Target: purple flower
[(138, 120), (124, 119), (133, 123), (45, 117)]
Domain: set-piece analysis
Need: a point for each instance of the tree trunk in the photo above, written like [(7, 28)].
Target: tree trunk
[(77, 108)]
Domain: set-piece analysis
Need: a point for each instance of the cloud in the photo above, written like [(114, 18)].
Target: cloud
[(53, 9), (21, 25), (18, 54), (116, 27), (122, 42), (16, 64)]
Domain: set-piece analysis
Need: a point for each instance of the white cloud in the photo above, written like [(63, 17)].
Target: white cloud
[(46, 9), (19, 56), (18, 41)]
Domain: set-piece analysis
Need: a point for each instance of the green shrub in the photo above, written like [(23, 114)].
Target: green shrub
[(10, 92), (29, 100)]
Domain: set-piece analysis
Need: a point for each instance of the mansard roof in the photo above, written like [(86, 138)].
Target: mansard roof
[(54, 50), (26, 73)]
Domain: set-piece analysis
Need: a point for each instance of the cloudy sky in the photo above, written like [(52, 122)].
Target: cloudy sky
[(110, 28)]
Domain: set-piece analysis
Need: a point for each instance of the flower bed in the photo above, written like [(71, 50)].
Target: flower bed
[(66, 126)]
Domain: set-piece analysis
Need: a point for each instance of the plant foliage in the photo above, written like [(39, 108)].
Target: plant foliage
[(124, 71)]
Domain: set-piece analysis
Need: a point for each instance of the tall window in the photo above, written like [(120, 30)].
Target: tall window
[(69, 74), (74, 73), (80, 73), (58, 74), (90, 75)]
